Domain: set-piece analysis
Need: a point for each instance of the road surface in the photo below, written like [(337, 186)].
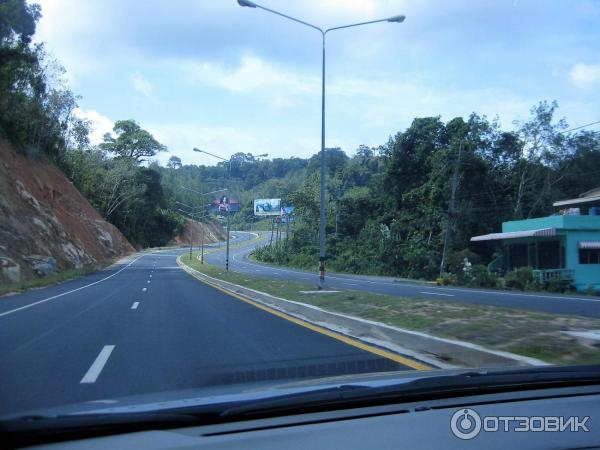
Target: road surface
[(145, 326), (550, 303)]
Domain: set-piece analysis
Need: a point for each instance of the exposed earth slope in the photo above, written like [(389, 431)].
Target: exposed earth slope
[(46, 224)]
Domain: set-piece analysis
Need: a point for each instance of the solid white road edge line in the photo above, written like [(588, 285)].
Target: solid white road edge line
[(94, 371), (68, 292)]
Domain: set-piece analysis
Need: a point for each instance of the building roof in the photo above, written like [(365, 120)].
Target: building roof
[(543, 232), (588, 198)]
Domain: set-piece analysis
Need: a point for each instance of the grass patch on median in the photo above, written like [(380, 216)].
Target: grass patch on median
[(538, 335)]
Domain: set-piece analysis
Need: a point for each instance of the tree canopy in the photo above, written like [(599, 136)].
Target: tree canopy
[(132, 142)]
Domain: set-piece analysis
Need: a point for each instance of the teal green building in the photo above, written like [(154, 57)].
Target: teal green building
[(564, 247)]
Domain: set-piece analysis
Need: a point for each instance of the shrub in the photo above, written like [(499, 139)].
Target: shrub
[(520, 278), (554, 286), (482, 278), (446, 279), (591, 290), (455, 260)]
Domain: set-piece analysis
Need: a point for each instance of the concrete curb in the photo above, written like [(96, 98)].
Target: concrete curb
[(432, 350)]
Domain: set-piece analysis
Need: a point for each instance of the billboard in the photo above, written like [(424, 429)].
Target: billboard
[(220, 205), (267, 207)]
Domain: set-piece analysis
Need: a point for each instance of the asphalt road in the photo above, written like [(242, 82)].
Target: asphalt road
[(550, 303), (145, 326)]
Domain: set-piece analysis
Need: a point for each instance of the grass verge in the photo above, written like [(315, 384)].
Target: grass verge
[(65, 275), (537, 335)]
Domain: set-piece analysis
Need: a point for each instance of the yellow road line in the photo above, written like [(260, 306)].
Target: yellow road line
[(340, 337)]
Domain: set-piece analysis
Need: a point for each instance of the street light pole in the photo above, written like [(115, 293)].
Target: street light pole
[(202, 254), (191, 228), (322, 216), (192, 213), (226, 205), (322, 212)]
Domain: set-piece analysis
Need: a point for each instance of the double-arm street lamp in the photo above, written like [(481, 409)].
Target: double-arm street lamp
[(226, 205), (322, 216)]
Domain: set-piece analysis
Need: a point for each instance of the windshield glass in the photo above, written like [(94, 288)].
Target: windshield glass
[(204, 200)]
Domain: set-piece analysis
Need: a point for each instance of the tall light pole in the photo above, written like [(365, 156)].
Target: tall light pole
[(191, 229), (203, 230), (322, 216), (228, 161), (227, 205)]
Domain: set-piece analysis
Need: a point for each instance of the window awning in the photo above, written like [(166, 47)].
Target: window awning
[(544, 232), (589, 244)]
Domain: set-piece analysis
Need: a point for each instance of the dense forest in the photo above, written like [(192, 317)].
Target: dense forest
[(390, 208)]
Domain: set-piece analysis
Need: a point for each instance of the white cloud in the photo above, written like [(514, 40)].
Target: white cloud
[(100, 124), (251, 74), (143, 86), (224, 141), (585, 75), (375, 102)]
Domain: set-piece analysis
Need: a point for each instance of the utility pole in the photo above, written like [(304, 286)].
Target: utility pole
[(451, 208)]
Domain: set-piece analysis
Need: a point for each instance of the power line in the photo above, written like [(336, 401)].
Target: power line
[(582, 126)]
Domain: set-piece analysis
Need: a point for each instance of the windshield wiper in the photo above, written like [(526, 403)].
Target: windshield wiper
[(431, 387)]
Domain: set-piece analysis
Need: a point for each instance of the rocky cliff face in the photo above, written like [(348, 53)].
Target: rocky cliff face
[(46, 225)]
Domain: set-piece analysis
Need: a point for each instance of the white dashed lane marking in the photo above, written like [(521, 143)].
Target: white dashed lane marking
[(94, 371)]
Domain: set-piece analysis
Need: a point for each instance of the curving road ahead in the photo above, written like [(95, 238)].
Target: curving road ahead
[(145, 326)]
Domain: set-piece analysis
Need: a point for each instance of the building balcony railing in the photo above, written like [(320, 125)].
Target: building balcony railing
[(553, 275)]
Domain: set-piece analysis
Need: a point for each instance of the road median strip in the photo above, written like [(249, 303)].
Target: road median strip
[(443, 334)]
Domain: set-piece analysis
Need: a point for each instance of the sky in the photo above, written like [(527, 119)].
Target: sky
[(213, 75)]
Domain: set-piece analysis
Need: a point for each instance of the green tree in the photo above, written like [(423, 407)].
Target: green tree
[(131, 142), (18, 21), (174, 162)]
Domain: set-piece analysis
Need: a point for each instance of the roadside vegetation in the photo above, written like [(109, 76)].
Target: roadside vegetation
[(537, 335), (60, 277), (389, 208)]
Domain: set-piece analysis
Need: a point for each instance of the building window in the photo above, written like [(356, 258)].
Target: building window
[(589, 256), (549, 255)]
